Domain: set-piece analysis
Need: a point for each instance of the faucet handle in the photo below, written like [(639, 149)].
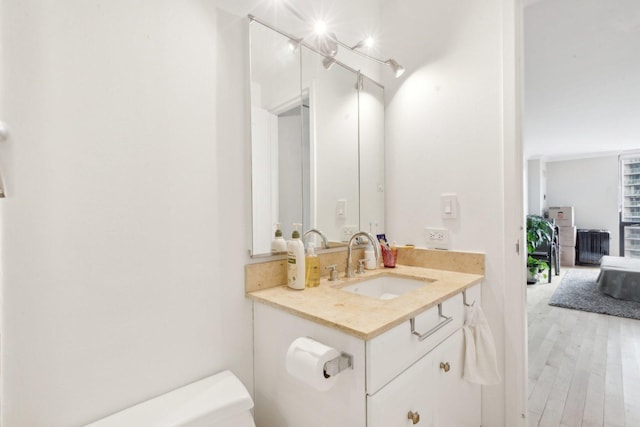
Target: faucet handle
[(361, 263), (333, 272)]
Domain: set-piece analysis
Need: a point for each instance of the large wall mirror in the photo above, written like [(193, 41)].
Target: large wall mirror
[(317, 143)]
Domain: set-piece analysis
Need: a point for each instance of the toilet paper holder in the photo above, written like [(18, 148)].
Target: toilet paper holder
[(334, 366)]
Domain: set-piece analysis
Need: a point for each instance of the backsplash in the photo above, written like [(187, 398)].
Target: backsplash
[(461, 262), (274, 273)]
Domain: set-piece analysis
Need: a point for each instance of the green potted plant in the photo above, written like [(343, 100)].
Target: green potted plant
[(538, 232)]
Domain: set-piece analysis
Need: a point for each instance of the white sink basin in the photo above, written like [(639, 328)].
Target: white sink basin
[(385, 287)]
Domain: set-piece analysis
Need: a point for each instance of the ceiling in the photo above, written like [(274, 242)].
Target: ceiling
[(582, 77)]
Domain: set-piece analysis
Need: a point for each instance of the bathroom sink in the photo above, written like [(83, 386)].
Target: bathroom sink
[(385, 287)]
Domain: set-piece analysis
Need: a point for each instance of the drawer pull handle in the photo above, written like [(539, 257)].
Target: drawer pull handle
[(414, 417), (445, 366), (433, 330)]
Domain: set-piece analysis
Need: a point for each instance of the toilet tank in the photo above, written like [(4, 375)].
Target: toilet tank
[(216, 401)]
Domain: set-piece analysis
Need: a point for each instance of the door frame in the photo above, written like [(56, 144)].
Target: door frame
[(515, 308)]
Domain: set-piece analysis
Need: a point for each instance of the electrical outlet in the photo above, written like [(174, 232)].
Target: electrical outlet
[(348, 231), (437, 238)]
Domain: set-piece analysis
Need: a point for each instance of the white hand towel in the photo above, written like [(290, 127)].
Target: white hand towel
[(480, 362)]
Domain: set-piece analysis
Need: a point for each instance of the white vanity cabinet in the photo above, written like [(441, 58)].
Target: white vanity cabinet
[(432, 387), (395, 375), (431, 392)]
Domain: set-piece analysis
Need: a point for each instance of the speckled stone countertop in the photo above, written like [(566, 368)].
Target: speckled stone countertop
[(362, 316)]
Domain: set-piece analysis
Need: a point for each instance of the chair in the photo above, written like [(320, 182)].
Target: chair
[(549, 251)]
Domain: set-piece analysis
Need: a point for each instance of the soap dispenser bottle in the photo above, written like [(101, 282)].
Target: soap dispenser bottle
[(295, 260), (312, 267), (278, 244), (370, 256)]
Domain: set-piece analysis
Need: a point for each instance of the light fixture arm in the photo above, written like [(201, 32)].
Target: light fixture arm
[(398, 69), (354, 49)]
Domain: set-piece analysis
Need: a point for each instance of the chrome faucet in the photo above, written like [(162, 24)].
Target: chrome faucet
[(376, 250), (325, 242)]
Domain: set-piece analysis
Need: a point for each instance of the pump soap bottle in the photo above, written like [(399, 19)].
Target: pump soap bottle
[(370, 256), (312, 265), (295, 260), (278, 244)]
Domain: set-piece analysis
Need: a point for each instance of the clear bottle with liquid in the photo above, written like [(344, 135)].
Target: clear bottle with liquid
[(312, 267)]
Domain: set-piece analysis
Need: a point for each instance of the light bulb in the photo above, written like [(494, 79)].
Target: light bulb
[(320, 27)]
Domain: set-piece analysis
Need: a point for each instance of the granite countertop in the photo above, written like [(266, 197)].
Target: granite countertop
[(362, 316)]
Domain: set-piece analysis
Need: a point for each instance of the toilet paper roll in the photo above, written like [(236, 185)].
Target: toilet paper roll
[(305, 361)]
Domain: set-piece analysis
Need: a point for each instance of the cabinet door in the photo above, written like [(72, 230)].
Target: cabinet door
[(458, 402), (412, 391)]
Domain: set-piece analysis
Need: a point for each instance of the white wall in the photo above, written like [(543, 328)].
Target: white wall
[(534, 207), (124, 231), (444, 134), (537, 186), (591, 187)]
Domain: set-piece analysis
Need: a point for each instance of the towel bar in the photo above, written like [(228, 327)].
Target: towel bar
[(433, 330)]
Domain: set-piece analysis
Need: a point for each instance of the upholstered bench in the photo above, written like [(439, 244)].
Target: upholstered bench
[(620, 278)]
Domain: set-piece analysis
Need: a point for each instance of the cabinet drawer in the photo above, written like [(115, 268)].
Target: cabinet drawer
[(394, 351), (413, 391)]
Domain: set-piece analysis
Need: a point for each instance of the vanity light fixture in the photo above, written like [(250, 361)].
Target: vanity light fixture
[(320, 27), (397, 69), (294, 44), (328, 43), (328, 62), (328, 47), (368, 43)]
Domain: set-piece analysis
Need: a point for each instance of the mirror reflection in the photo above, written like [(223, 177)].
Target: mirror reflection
[(317, 144), (334, 182), (276, 130)]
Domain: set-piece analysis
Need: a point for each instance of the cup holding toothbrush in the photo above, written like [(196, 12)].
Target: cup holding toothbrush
[(389, 256)]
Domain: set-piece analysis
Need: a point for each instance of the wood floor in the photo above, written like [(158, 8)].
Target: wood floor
[(584, 368)]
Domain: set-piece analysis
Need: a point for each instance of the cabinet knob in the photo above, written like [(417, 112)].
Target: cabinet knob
[(414, 417), (445, 366)]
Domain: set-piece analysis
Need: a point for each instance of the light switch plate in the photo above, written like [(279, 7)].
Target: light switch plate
[(341, 208), (449, 206)]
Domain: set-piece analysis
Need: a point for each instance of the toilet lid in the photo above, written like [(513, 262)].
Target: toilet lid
[(208, 400)]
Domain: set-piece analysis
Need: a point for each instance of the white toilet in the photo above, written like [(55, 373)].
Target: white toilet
[(217, 401)]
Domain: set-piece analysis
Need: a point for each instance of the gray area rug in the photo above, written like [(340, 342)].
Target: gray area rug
[(578, 291)]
